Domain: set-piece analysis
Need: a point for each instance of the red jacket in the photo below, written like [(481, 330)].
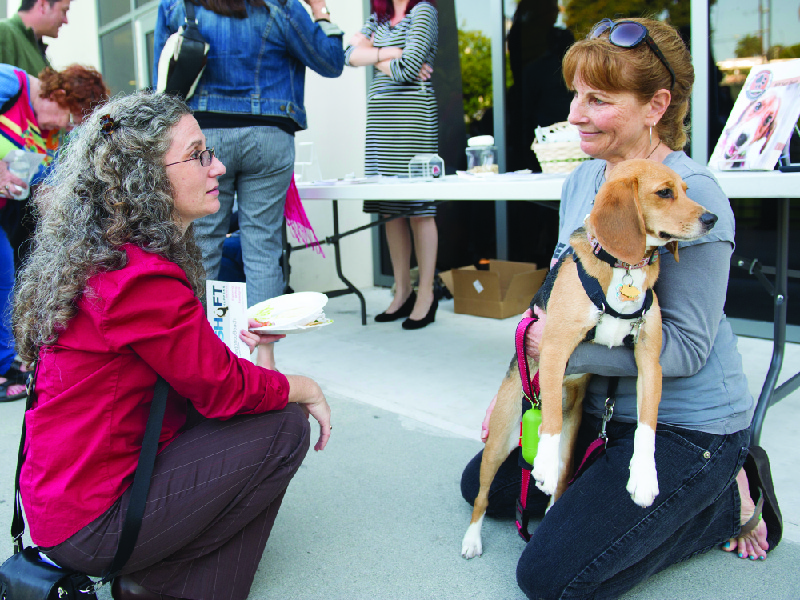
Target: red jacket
[(95, 385)]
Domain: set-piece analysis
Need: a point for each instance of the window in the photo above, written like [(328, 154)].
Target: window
[(117, 56), (126, 42), (110, 10)]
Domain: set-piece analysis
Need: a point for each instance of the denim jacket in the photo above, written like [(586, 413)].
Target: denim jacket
[(256, 65)]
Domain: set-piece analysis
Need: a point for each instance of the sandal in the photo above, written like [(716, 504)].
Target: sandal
[(753, 521), (13, 377), (759, 478)]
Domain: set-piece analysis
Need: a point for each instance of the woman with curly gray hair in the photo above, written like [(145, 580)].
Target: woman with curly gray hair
[(107, 302)]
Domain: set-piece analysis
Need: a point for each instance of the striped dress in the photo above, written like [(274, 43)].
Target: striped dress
[(402, 119)]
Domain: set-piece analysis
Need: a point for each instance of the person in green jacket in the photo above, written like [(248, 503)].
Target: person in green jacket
[(21, 42)]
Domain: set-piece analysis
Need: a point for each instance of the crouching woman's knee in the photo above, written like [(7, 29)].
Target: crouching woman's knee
[(294, 434)]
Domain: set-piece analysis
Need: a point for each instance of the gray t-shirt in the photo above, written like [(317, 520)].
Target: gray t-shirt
[(704, 386)]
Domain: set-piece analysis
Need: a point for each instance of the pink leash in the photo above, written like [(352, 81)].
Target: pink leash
[(530, 387)]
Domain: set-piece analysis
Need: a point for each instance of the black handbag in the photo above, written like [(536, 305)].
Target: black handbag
[(27, 576), (183, 58)]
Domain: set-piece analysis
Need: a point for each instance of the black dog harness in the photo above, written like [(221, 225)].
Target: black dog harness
[(598, 297)]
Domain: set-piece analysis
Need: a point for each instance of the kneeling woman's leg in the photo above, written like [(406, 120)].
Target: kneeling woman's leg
[(214, 496), (596, 543)]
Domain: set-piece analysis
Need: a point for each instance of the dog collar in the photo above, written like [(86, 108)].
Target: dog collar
[(595, 293), (598, 251)]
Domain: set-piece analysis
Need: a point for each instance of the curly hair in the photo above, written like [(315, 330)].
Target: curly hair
[(604, 66), (107, 189), (82, 87)]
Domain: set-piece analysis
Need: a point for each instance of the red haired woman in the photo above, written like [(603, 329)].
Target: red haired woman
[(399, 40)]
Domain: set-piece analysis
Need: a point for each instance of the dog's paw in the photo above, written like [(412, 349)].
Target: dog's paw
[(546, 463), (643, 482), (643, 487), (471, 545)]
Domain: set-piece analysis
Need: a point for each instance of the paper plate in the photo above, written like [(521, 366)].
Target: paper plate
[(288, 311), (298, 329)]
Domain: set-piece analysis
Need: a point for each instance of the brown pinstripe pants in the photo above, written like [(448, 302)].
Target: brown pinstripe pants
[(214, 496)]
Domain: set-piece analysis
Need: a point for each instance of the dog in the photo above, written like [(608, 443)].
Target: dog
[(749, 136), (642, 207)]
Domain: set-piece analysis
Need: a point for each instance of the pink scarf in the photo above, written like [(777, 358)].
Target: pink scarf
[(297, 220)]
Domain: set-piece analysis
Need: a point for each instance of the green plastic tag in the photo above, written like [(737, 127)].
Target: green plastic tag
[(531, 421)]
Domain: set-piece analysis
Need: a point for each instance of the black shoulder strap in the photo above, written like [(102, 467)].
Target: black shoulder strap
[(189, 6), (141, 480)]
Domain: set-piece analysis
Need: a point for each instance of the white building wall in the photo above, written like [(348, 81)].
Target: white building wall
[(336, 126)]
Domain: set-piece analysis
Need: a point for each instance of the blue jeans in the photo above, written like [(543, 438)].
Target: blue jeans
[(595, 542), (259, 163), (7, 351)]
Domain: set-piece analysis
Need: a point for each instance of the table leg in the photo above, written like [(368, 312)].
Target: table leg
[(768, 391), (337, 257)]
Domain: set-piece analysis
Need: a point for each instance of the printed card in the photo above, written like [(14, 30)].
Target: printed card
[(226, 307)]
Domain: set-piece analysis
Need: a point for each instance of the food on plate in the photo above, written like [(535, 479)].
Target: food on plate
[(262, 316)]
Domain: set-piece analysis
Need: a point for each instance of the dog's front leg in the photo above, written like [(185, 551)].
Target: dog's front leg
[(574, 392), (547, 464), (643, 481)]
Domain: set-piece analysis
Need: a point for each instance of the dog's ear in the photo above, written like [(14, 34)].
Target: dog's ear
[(617, 222), (673, 247)]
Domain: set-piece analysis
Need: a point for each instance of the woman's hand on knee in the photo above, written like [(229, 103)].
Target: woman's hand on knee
[(307, 393)]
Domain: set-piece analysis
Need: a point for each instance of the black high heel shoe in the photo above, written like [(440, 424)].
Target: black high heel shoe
[(424, 321), (401, 312)]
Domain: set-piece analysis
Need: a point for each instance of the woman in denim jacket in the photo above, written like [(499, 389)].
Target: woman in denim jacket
[(249, 103)]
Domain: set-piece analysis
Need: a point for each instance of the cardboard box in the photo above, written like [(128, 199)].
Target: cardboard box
[(505, 290)]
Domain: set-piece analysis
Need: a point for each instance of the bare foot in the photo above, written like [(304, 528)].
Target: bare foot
[(752, 544)]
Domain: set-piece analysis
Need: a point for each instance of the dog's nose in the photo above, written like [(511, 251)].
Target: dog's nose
[(741, 140), (708, 220)]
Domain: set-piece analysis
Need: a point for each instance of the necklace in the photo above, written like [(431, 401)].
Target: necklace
[(653, 150)]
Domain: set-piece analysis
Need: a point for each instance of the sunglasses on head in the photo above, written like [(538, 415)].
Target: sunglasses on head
[(629, 34)]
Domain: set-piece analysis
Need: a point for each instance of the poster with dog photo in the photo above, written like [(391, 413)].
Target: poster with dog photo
[(762, 119)]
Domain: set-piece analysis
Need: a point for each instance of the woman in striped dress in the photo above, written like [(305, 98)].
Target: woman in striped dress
[(399, 40)]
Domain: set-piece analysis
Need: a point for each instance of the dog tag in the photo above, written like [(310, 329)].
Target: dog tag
[(627, 293), (531, 421)]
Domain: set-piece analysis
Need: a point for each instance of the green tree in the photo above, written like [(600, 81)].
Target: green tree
[(475, 50), (580, 15), (749, 45), (785, 51)]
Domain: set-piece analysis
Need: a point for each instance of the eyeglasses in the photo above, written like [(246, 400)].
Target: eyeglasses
[(629, 34), (205, 158)]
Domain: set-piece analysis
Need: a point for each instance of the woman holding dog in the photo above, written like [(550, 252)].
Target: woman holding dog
[(108, 300), (632, 80)]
